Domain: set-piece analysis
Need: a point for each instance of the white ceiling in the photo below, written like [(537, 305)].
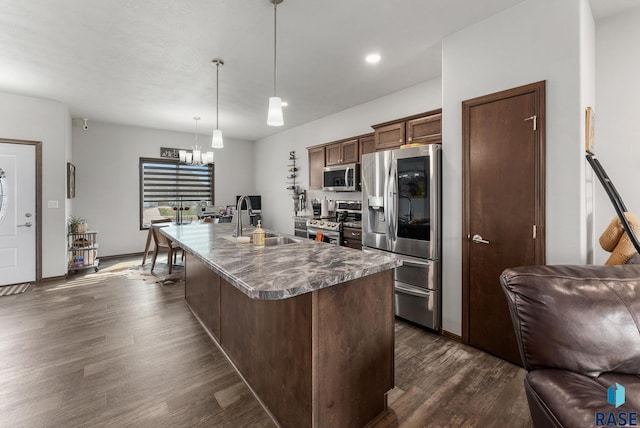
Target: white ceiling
[(148, 63)]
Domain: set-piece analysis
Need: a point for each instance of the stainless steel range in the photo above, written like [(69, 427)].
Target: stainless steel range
[(330, 231)]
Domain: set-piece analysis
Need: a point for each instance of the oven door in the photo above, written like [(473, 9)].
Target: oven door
[(328, 236)]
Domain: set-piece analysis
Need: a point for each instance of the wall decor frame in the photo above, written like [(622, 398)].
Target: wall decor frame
[(71, 180), (169, 152)]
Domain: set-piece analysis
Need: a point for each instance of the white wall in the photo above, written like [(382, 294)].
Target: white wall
[(107, 177), (535, 40), (272, 153), (617, 132), (37, 119), (587, 98)]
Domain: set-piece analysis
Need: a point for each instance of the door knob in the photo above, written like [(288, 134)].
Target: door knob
[(27, 224), (478, 239)]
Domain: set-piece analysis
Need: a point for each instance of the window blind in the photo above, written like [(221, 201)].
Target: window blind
[(166, 182)]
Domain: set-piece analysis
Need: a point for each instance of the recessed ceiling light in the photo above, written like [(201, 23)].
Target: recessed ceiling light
[(284, 104), (373, 58)]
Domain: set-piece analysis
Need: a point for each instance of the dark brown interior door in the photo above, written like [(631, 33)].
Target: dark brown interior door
[(503, 149)]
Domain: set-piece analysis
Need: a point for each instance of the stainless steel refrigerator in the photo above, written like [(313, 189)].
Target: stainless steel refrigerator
[(401, 192)]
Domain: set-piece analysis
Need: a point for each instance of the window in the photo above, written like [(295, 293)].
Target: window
[(166, 186)]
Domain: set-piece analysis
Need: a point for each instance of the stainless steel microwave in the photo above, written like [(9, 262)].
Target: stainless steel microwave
[(341, 178)]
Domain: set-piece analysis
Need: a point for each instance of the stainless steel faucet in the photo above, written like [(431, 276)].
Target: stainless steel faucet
[(237, 231)]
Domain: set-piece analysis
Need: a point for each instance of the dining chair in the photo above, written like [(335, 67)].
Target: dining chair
[(163, 243), (150, 237)]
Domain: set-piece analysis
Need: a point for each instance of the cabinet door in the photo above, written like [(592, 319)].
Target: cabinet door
[(202, 293), (425, 129), (367, 145), (390, 136), (352, 238), (316, 163), (356, 245), (334, 154), (349, 151)]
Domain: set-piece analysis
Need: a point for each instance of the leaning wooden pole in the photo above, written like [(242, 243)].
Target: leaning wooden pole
[(614, 196)]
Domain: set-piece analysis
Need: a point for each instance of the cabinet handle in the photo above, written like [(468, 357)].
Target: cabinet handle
[(409, 139), (355, 234)]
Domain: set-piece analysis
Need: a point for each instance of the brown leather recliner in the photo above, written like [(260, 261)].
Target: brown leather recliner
[(578, 330)]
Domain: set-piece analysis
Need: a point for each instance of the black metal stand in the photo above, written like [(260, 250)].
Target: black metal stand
[(615, 198)]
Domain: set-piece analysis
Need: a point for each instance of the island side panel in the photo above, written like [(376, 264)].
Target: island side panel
[(269, 341), (355, 350), (202, 293)]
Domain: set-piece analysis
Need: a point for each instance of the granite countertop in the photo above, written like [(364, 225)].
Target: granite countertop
[(276, 272)]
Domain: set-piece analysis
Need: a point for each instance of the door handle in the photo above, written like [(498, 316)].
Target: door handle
[(478, 239), (27, 224), (411, 291)]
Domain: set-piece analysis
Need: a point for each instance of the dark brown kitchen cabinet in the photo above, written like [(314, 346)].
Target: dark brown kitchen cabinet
[(202, 294), (316, 163), (342, 152), (367, 145), (390, 136), (425, 129), (352, 237), (421, 128)]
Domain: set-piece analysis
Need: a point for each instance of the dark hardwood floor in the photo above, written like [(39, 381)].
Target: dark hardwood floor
[(115, 350)]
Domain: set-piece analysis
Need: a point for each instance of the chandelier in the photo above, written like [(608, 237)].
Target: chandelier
[(195, 156)]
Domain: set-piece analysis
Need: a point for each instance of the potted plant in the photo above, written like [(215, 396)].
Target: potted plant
[(77, 224)]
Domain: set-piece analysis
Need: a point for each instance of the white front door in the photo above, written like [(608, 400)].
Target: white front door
[(17, 213)]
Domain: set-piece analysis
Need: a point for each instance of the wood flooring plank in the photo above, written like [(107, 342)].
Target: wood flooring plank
[(111, 349)]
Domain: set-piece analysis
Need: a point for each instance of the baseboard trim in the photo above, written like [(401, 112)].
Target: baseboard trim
[(452, 336), (119, 256), (51, 278)]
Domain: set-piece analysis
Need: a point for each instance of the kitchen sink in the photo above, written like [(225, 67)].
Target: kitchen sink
[(271, 241)]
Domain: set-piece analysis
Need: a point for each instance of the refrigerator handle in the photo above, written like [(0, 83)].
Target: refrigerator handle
[(385, 201), (392, 198)]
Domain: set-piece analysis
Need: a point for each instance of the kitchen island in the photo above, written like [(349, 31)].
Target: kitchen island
[(308, 325)]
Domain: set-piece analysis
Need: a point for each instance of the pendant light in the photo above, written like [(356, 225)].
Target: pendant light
[(216, 140), (274, 117), (195, 156)]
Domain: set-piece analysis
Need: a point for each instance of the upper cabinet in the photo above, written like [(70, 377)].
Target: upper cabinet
[(426, 129), (367, 144), (345, 151), (423, 128), (419, 128), (316, 163), (349, 150)]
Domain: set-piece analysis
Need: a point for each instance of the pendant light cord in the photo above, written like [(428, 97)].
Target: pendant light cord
[(217, 89), (275, 69)]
